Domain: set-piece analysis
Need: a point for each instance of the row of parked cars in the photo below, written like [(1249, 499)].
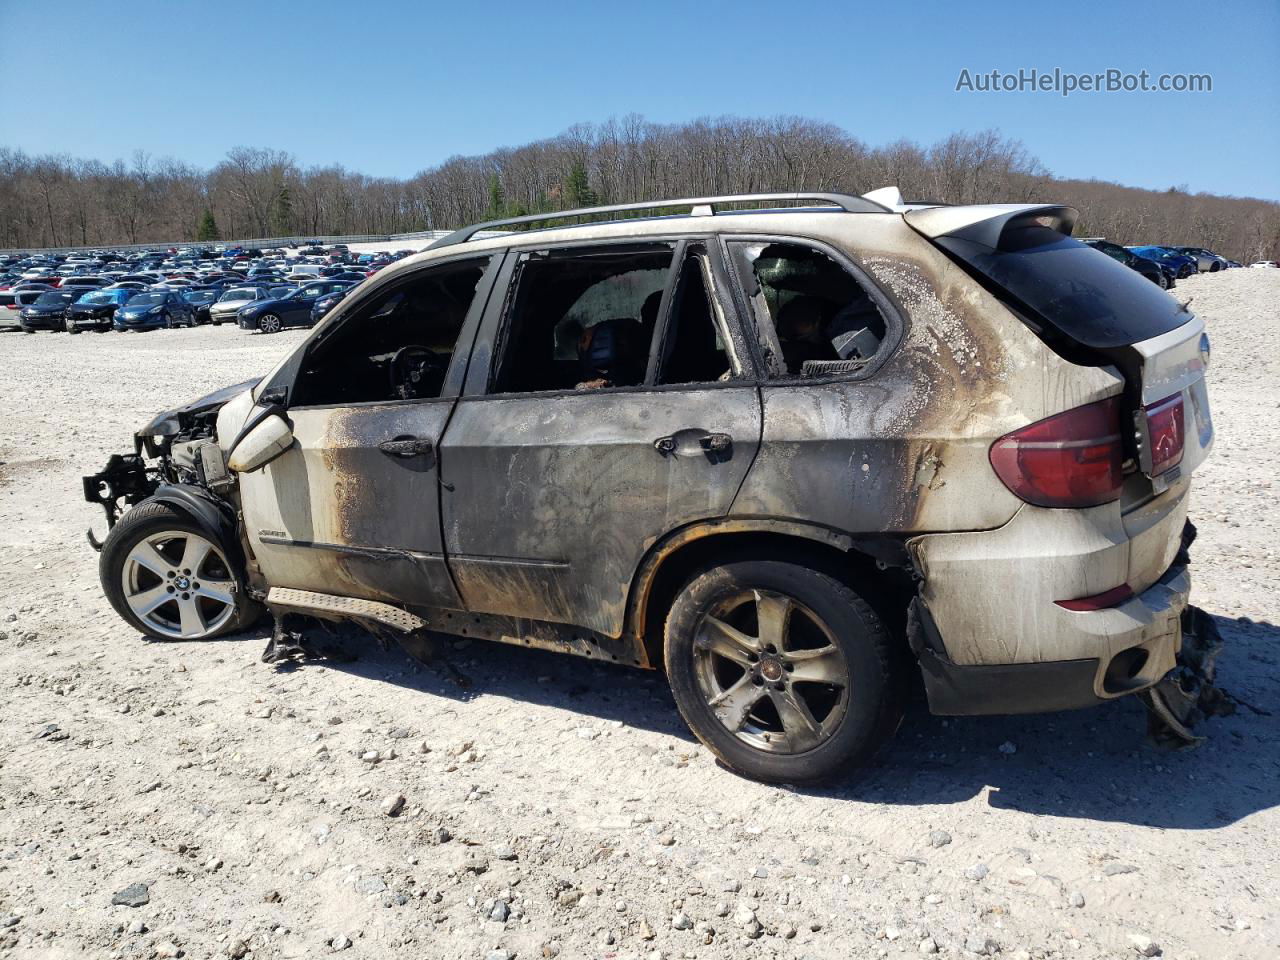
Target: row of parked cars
[(267, 291), (1162, 265)]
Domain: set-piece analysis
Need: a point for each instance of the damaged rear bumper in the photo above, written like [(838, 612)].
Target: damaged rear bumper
[(1137, 642)]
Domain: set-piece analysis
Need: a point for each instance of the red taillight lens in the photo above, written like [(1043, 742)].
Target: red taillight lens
[(1072, 459), (1164, 432), (1099, 601)]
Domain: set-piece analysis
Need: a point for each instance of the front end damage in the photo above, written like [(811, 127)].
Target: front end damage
[(176, 457)]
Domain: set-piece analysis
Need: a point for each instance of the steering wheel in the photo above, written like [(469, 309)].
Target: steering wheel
[(410, 366)]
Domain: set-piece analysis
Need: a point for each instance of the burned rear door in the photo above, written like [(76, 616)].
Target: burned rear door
[(620, 404), (352, 509)]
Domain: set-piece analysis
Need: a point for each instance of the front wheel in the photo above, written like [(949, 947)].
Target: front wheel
[(783, 671), (169, 579), (269, 323)]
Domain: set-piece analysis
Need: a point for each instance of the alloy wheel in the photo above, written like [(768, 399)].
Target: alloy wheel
[(179, 584), (269, 323), (770, 671)]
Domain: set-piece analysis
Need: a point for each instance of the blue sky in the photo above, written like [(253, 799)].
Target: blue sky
[(389, 87)]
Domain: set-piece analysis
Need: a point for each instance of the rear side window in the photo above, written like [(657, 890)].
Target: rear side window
[(1075, 291), (813, 316)]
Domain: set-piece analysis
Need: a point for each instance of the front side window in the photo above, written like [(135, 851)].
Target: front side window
[(396, 346), (812, 315)]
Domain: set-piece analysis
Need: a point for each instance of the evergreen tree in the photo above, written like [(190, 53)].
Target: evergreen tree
[(208, 228), (497, 199), (282, 210), (577, 188)]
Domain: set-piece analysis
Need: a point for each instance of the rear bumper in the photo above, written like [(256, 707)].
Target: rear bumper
[(1137, 641)]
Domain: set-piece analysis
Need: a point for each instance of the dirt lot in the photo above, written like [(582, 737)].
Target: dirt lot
[(559, 806)]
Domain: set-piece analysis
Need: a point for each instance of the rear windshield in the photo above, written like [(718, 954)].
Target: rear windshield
[(1080, 292)]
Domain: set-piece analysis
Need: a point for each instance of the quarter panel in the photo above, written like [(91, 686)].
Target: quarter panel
[(905, 449)]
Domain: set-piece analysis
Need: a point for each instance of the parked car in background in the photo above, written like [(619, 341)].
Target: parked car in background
[(293, 310), (154, 310), (96, 310), (48, 311), (326, 303), (1265, 264), (1206, 260), (1182, 265), (11, 304), (229, 303), (201, 300), (1156, 272), (13, 300), (83, 283)]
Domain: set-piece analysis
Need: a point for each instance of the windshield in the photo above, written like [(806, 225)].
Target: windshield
[(1080, 292), (202, 296), (52, 298), (240, 293), (147, 300), (97, 298)]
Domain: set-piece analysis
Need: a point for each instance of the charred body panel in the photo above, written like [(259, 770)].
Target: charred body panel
[(336, 514), (906, 448), (585, 490)]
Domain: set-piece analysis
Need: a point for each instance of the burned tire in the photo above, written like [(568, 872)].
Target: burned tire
[(784, 672), (170, 579)]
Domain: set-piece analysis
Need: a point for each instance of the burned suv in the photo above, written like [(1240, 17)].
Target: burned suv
[(794, 456)]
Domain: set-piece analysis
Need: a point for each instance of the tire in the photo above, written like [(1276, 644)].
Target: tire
[(823, 628), (269, 323), (70, 326), (141, 567)]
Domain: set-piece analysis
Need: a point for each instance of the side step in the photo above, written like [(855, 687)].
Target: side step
[(330, 606)]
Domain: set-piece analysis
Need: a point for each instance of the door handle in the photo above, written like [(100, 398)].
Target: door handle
[(709, 442), (716, 442), (406, 447)]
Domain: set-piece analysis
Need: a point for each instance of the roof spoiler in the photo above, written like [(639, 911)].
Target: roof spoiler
[(987, 223)]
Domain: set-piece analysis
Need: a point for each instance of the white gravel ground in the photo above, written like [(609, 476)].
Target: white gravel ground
[(569, 798)]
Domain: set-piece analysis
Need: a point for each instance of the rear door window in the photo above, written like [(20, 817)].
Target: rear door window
[(1070, 289)]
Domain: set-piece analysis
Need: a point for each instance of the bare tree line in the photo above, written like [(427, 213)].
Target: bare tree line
[(59, 200)]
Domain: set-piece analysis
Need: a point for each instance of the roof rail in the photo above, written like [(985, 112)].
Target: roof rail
[(702, 207)]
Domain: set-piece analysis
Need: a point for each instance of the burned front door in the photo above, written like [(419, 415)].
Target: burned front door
[(620, 406), (352, 509)]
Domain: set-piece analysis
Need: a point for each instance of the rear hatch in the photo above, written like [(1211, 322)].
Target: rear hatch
[(1093, 310)]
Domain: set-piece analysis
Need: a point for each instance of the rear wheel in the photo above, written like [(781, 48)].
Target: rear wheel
[(169, 579), (784, 672), (269, 323)]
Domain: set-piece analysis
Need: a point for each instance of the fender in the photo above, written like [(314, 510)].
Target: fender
[(885, 550), (214, 516)]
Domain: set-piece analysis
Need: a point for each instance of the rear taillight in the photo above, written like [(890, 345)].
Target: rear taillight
[(1072, 459), (1164, 433)]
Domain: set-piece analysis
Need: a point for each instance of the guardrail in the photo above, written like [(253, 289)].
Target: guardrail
[(259, 242)]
